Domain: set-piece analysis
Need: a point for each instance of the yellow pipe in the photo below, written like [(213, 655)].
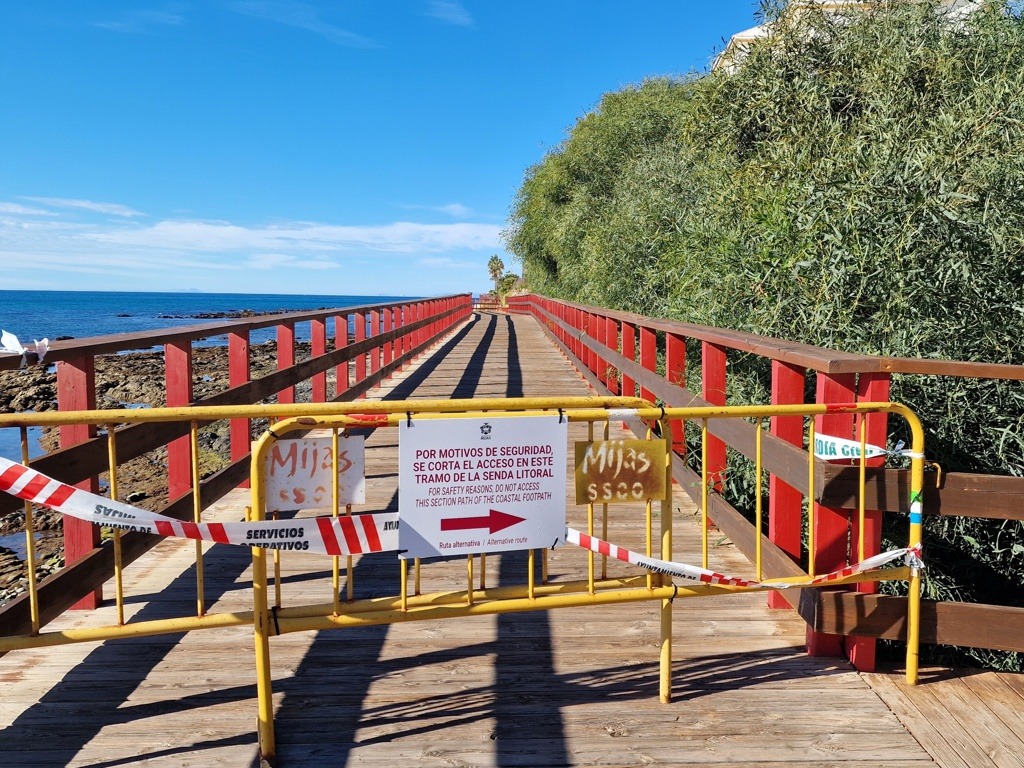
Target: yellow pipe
[(121, 631), (118, 561), (30, 545), (478, 608), (758, 512), (577, 409), (468, 407), (810, 499), (916, 529), (665, 614), (335, 511), (261, 613), (861, 502), (197, 516), (604, 511), (590, 520), (403, 577), (704, 493), (530, 586)]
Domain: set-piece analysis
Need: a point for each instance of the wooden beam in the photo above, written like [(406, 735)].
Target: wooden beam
[(973, 625), (961, 494)]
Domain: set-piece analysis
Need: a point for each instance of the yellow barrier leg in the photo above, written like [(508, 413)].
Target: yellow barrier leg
[(665, 687), (916, 534), (261, 636), (913, 626)]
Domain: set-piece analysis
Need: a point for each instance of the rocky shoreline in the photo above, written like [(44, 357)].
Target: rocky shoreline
[(134, 380)]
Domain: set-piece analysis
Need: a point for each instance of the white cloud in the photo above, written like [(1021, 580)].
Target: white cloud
[(451, 12), (13, 209), (455, 210), (399, 237), (91, 250), (444, 262), (301, 16), (275, 260), (141, 21), (113, 209)]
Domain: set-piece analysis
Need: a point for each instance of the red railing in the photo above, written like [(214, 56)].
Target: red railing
[(384, 338), (620, 352)]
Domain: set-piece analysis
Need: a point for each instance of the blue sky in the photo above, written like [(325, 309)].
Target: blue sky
[(269, 146)]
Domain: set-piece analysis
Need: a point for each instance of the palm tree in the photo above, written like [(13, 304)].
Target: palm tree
[(496, 268)]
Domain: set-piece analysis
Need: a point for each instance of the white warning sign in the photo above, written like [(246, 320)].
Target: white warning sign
[(481, 484), (299, 473)]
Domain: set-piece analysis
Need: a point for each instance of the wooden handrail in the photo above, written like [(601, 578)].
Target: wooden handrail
[(809, 356), (138, 340)]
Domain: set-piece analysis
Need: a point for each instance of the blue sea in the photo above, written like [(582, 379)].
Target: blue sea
[(31, 315), (51, 314)]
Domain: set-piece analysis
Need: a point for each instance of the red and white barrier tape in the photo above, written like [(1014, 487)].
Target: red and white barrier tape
[(353, 535), (349, 535), (693, 573)]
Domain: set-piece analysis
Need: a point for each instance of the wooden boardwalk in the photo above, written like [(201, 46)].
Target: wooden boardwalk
[(572, 687)]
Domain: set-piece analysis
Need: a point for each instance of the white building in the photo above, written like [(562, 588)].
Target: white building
[(739, 44)]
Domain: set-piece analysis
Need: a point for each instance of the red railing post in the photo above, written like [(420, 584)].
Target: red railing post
[(648, 357), (713, 367), (579, 320), (388, 349), (340, 341), (360, 335), (178, 383), (286, 357), (406, 337), (628, 352), (240, 430), (318, 348), (600, 367), (611, 340), (374, 332), (76, 391), (831, 526), (675, 373), (785, 503), (871, 388)]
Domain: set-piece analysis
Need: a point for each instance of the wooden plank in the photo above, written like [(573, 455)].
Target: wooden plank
[(961, 494), (916, 714)]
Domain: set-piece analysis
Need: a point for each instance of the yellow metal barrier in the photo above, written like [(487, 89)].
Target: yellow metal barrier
[(586, 586)]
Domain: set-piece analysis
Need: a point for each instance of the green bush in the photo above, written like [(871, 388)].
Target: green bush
[(857, 183)]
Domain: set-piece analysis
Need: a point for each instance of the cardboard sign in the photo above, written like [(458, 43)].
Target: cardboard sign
[(613, 471), (299, 473), (481, 484)]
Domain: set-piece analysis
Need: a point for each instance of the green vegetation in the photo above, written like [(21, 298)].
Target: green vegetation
[(857, 183)]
